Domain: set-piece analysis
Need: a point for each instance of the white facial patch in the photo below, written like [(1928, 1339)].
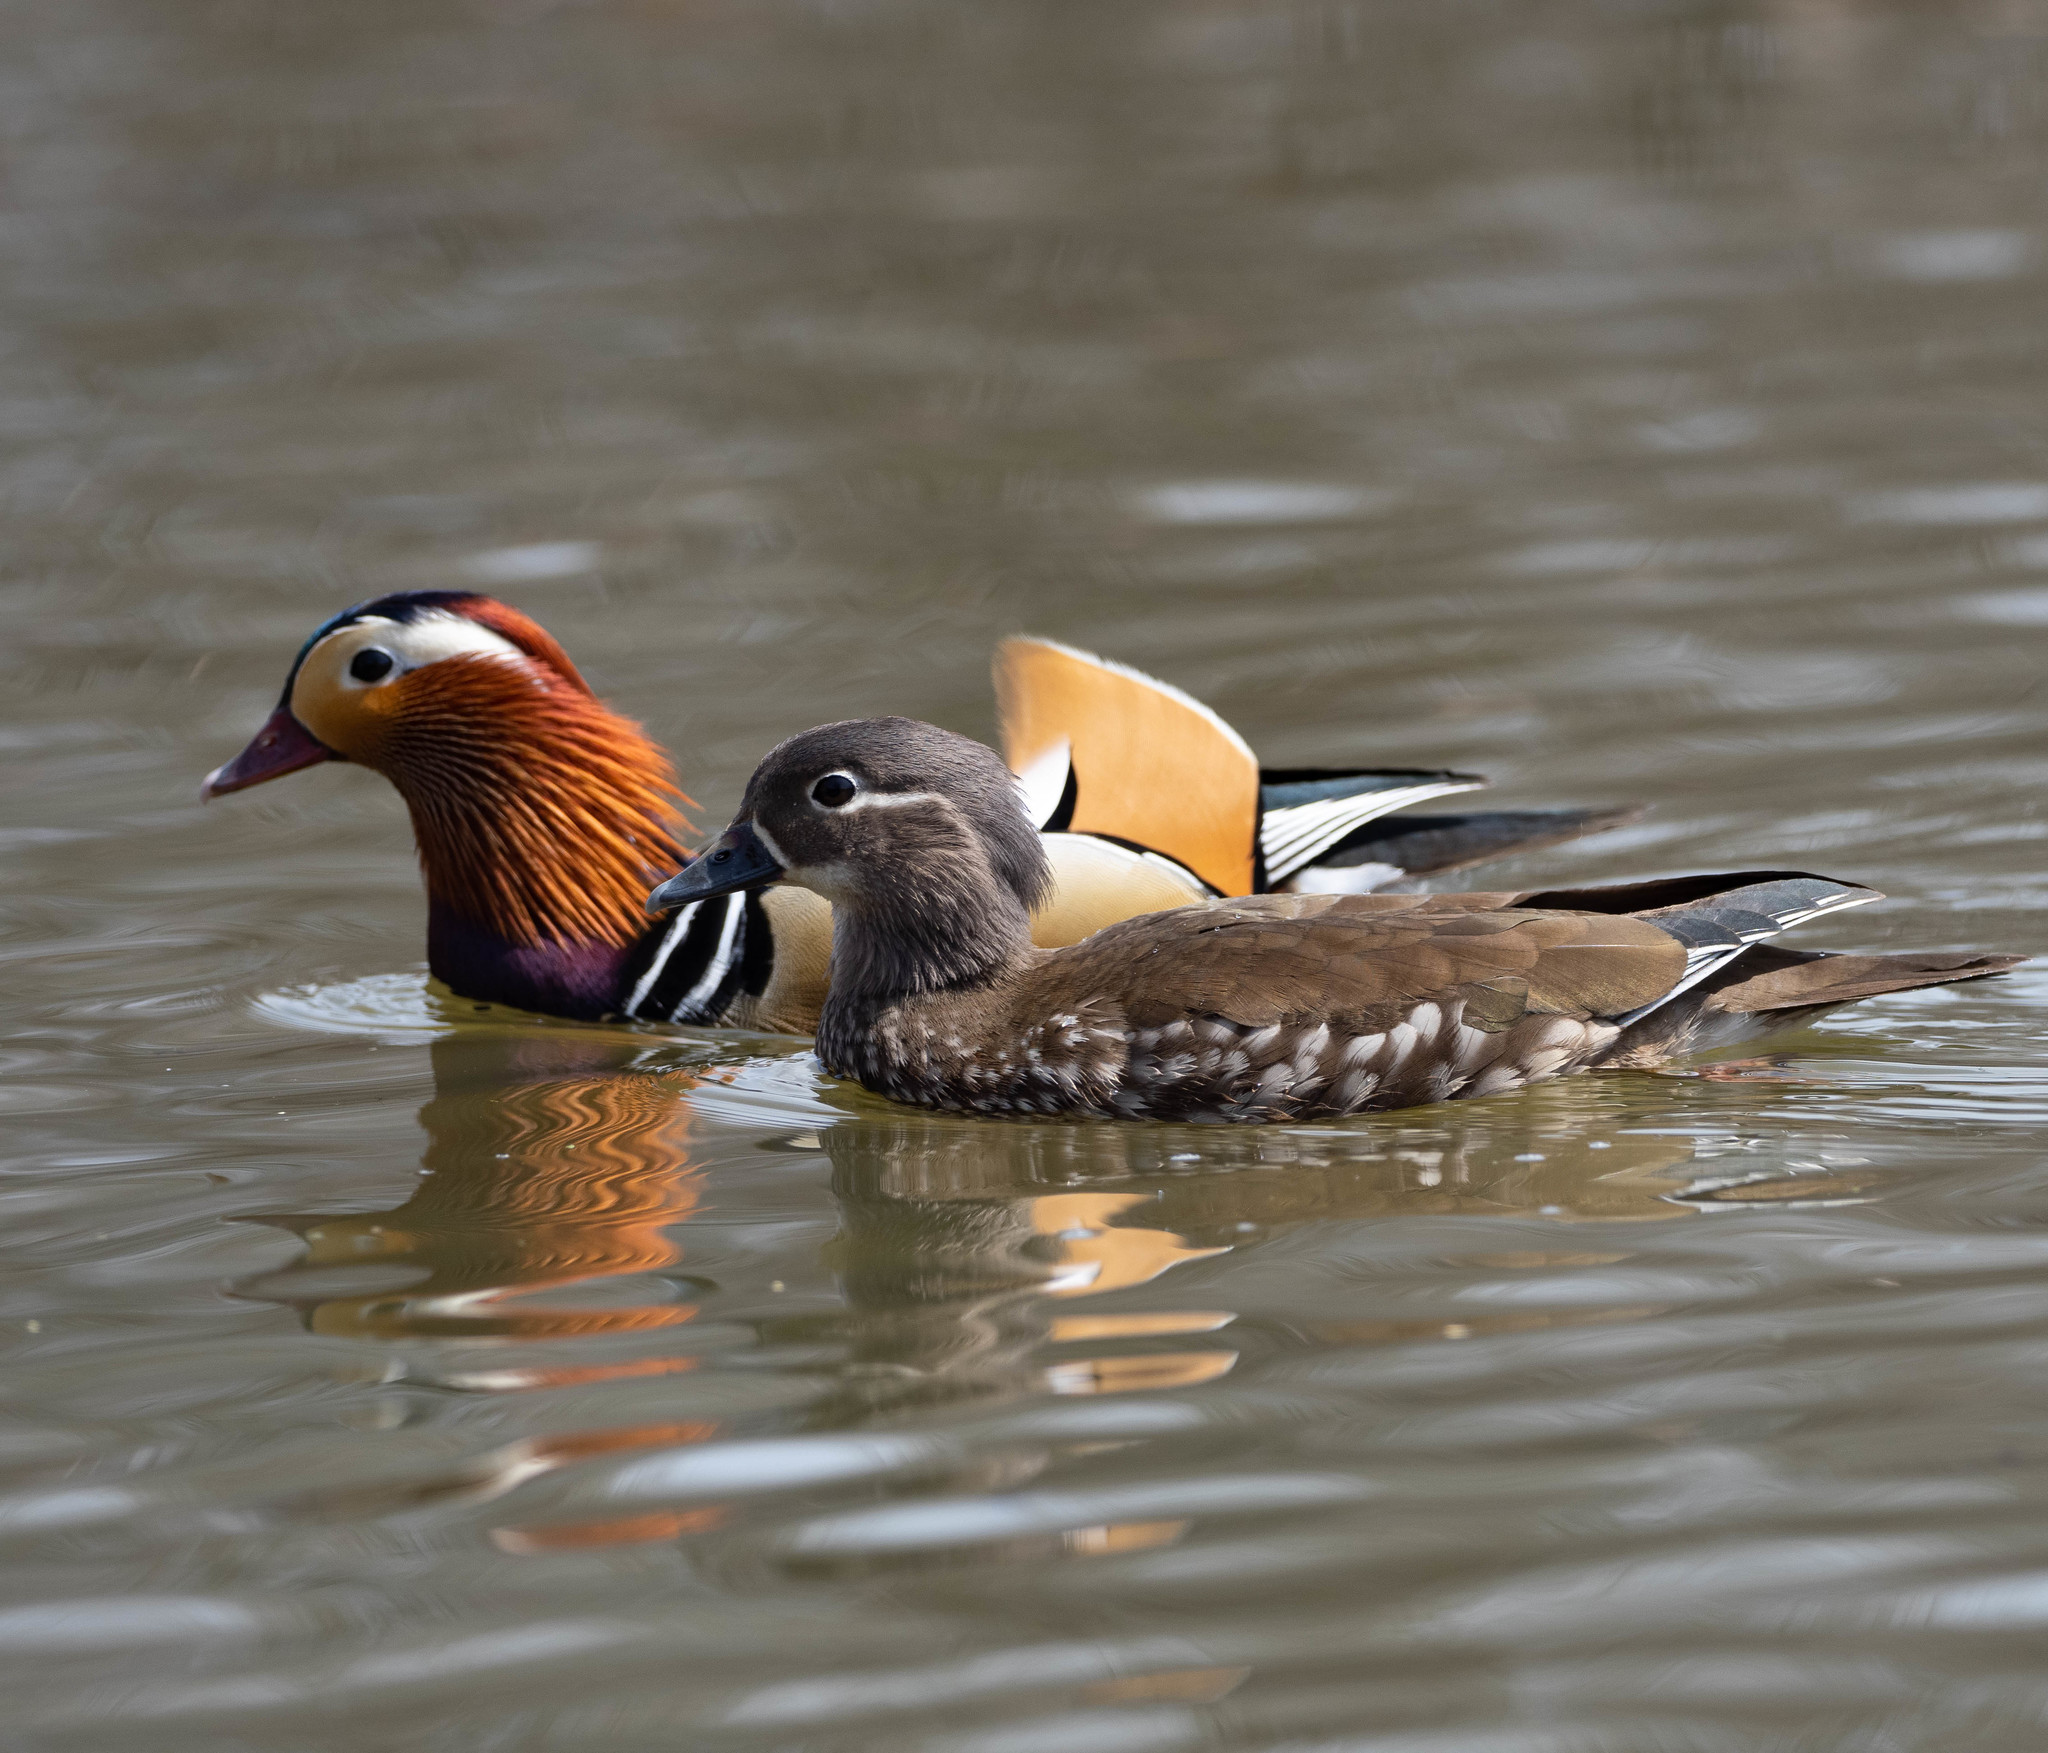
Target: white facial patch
[(426, 639)]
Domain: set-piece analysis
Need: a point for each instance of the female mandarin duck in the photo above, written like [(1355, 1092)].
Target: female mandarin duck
[(541, 815), (1272, 1007)]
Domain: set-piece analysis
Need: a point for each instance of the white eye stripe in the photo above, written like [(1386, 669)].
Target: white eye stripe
[(428, 639), (886, 800)]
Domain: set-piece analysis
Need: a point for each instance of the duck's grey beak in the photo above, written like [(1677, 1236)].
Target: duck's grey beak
[(735, 860)]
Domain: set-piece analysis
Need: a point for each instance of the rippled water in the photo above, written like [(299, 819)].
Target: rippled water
[(1627, 400)]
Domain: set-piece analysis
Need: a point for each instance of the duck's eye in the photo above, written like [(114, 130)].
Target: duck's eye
[(834, 790), (371, 665)]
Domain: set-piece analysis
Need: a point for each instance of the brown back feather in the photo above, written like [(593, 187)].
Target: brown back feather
[(1265, 959)]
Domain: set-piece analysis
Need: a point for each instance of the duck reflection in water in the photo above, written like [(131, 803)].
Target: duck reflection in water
[(550, 1186), (543, 1249), (540, 1250), (967, 1252), (990, 1267)]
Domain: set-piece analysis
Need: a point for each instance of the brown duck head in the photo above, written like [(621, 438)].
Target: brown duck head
[(540, 814), (917, 836)]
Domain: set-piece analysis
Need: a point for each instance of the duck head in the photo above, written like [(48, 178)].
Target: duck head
[(351, 691), (919, 838), (539, 814)]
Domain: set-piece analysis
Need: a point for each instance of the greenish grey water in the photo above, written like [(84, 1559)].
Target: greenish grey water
[(1626, 400)]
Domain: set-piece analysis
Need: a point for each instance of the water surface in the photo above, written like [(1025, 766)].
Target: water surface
[(1625, 400)]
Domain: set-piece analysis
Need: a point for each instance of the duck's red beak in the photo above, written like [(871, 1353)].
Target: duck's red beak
[(282, 746)]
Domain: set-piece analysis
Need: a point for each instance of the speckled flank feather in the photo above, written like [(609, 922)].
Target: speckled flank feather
[(1274, 1008), (936, 1053), (1311, 1007), (1211, 1069)]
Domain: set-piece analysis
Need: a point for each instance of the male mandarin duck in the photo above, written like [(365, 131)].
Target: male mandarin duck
[(541, 815), (1262, 1008)]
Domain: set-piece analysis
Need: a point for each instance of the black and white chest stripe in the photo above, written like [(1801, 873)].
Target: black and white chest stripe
[(700, 960)]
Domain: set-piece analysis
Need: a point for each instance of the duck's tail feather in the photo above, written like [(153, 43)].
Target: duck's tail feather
[(1718, 929), (1399, 847), (1788, 980), (1767, 990)]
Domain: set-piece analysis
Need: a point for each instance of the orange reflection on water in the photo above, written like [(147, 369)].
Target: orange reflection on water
[(621, 1531), (1093, 1256), (1145, 1372), (1109, 1537), (1183, 1685), (1069, 1329), (495, 1474), (616, 1530), (547, 1172), (517, 1381), (1096, 1256)]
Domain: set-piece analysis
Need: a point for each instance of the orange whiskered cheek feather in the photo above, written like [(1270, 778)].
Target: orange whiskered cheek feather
[(357, 721), (539, 812)]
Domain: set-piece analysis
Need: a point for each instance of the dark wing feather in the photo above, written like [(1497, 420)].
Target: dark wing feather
[(1268, 959)]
